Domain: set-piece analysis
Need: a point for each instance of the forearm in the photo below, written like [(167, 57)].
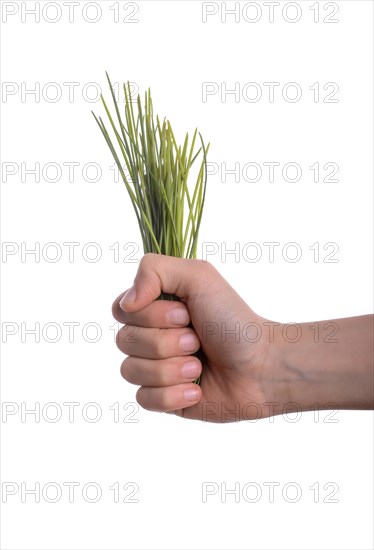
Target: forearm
[(324, 371)]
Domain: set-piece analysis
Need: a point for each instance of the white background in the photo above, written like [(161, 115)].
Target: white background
[(171, 50)]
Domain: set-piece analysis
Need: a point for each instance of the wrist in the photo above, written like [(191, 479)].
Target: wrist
[(278, 385), (320, 365), (287, 385), (277, 380)]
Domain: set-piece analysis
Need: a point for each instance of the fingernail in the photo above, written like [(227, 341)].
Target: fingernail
[(187, 342), (178, 316), (190, 369), (128, 298), (192, 394)]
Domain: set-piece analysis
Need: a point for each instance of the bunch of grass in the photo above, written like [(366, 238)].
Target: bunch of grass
[(155, 171)]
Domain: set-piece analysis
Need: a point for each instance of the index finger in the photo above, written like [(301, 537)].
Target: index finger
[(157, 314)]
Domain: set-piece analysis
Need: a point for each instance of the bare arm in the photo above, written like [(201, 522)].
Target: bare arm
[(325, 367)]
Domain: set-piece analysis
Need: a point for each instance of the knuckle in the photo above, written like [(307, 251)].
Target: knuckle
[(163, 375), (141, 398), (208, 267), (147, 260), (146, 275), (122, 339), (161, 344), (149, 287), (118, 339), (203, 263), (115, 310), (166, 403), (207, 275), (126, 370)]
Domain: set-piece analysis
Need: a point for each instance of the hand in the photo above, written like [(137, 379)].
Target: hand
[(160, 345)]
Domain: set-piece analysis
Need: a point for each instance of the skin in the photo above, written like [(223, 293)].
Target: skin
[(259, 369)]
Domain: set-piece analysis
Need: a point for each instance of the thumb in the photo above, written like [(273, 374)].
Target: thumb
[(159, 273)]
